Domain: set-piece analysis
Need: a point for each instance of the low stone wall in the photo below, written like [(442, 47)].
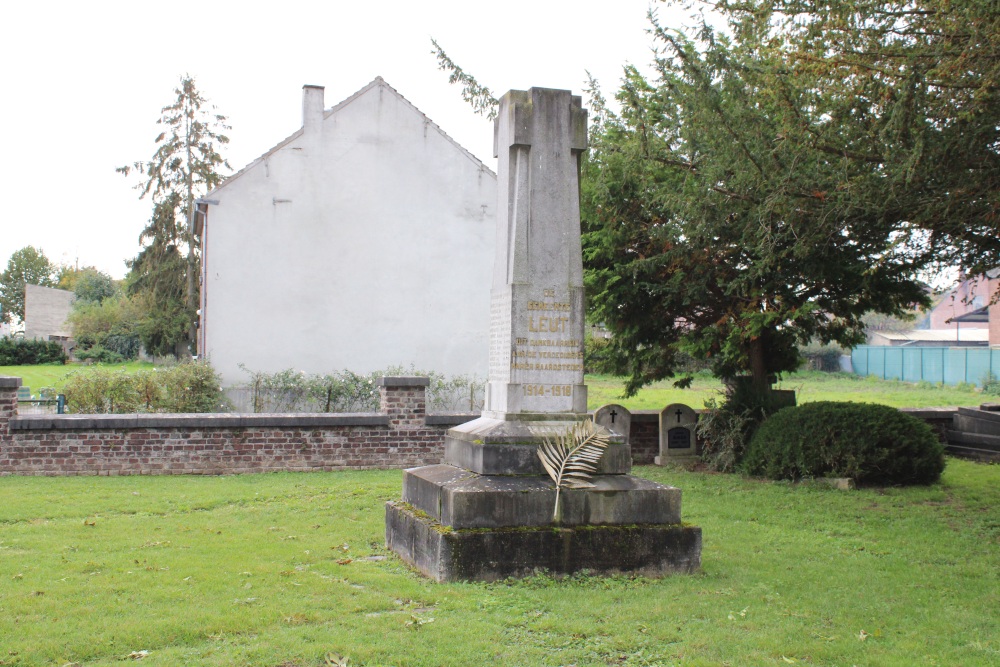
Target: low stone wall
[(400, 435)]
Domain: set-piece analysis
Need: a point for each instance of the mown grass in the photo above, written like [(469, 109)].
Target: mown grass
[(283, 569), (55, 375), (809, 386)]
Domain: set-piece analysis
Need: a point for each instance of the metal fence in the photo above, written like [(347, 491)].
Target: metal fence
[(949, 365)]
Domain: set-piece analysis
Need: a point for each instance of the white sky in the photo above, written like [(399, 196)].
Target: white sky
[(84, 83)]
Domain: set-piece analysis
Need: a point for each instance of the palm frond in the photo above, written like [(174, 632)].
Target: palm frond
[(570, 458)]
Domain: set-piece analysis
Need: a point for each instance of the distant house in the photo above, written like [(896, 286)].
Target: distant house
[(930, 338), (963, 317), (968, 296), (363, 240), (46, 310)]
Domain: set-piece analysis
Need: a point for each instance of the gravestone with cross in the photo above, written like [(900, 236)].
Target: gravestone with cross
[(678, 437), (616, 418)]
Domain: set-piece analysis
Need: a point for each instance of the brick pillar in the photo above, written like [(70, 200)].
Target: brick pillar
[(404, 399), (8, 403)]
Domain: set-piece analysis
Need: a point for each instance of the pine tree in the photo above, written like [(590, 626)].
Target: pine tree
[(186, 164)]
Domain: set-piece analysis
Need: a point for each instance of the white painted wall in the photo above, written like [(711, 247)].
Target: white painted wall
[(362, 241)]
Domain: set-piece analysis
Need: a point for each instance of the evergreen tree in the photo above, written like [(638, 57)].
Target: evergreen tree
[(714, 225), (912, 89), (185, 165)]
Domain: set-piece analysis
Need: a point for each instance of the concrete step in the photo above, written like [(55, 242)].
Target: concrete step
[(977, 440), (988, 415), (973, 420), (986, 455)]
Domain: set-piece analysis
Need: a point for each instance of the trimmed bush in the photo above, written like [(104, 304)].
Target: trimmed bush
[(22, 352), (873, 444)]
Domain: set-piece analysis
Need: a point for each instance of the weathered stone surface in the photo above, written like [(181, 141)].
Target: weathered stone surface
[(678, 437), (536, 307), (509, 447), (615, 418), (461, 499), (403, 381), (522, 459), (444, 554), (7, 382), (489, 512)]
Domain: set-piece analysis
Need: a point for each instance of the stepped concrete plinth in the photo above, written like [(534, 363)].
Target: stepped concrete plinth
[(975, 433), (489, 510), (444, 554)]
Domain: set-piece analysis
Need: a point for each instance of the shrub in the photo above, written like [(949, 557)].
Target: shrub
[(819, 357), (725, 430), (99, 354), (106, 330), (991, 385), (873, 444), (190, 387), (595, 353), (104, 391), (22, 352), (723, 433)]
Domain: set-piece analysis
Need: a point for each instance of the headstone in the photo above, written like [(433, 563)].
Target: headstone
[(487, 512), (616, 418), (678, 437)]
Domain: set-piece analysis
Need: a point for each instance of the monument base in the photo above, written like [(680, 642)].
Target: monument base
[(488, 511), (446, 554)]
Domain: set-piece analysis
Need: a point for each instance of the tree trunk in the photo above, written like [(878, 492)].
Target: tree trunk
[(758, 368)]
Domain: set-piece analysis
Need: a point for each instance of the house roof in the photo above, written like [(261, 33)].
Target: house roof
[(978, 315), (378, 81), (935, 335)]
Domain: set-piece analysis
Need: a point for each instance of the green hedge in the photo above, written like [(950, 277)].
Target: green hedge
[(872, 444), (21, 352)]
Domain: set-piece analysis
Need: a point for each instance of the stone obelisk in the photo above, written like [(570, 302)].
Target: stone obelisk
[(487, 512), (536, 307)]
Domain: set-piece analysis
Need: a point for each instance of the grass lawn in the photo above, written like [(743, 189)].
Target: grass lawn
[(284, 569), (54, 375), (808, 385)]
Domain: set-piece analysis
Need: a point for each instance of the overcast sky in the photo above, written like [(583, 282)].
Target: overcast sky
[(84, 83)]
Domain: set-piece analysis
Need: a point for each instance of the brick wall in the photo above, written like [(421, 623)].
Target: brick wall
[(400, 435), (644, 436)]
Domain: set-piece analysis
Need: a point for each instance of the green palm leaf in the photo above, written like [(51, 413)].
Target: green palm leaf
[(570, 458)]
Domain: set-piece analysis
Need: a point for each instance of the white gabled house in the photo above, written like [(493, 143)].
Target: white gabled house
[(363, 240)]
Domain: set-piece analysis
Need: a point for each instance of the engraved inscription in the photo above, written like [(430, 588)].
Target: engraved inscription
[(548, 390), (547, 350), (679, 438)]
